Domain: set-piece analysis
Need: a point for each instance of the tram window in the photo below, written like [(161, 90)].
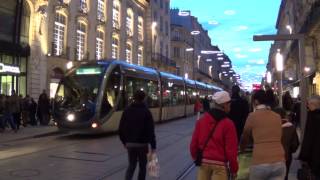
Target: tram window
[(111, 92), (148, 86), (172, 94), (191, 95)]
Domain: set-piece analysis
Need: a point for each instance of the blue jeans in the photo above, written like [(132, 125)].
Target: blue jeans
[(274, 171), (8, 118)]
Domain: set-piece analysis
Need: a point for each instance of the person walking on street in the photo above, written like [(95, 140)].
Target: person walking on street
[(44, 108), (206, 104), (136, 131), (264, 127), (25, 110), (216, 136), (2, 121), (15, 105), (7, 114), (197, 107), (290, 140), (32, 112), (239, 110), (310, 149)]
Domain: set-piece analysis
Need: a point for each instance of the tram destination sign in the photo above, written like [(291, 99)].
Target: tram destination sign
[(88, 70), (4, 68)]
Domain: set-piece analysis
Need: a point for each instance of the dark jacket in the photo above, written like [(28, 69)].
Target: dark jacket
[(239, 111), (310, 149), (289, 139), (136, 125), (206, 105)]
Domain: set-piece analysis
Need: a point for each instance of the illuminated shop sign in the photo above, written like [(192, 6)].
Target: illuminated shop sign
[(9, 69)]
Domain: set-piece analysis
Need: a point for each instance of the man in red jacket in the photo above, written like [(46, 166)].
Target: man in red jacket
[(222, 147)]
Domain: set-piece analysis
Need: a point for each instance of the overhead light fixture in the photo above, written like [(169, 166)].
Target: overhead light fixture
[(225, 65), (196, 32), (208, 60), (220, 54), (307, 69), (220, 58), (184, 13), (189, 49), (209, 52)]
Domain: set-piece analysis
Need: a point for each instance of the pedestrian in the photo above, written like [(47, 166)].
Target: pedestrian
[(2, 104), (197, 107), (32, 112), (43, 110), (216, 137), (136, 131), (296, 113), (15, 104), (264, 127), (271, 99), (25, 106), (239, 110), (206, 104), (287, 102), (290, 140), (310, 149), (7, 114)]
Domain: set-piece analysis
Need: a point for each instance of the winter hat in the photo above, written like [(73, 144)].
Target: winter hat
[(221, 97)]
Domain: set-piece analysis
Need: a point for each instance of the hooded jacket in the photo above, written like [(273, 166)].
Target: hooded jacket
[(222, 147)]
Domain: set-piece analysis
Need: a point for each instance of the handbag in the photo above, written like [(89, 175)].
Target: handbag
[(199, 153)]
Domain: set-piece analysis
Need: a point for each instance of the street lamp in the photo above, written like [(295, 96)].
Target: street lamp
[(279, 67), (269, 78), (303, 88)]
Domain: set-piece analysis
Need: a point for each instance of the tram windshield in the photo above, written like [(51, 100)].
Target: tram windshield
[(80, 88)]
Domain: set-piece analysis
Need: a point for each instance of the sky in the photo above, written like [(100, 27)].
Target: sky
[(231, 25)]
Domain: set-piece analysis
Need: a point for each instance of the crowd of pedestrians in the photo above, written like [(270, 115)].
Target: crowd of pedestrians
[(269, 130), (17, 111)]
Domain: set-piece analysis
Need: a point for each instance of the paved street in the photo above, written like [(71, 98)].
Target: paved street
[(60, 156)]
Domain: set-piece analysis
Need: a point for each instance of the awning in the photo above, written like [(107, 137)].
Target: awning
[(14, 49)]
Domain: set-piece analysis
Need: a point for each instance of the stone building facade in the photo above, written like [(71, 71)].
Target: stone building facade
[(63, 31), (298, 17)]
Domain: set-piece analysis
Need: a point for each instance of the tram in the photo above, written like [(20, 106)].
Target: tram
[(91, 97)]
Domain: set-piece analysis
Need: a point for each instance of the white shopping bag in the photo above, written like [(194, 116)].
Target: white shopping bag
[(153, 165)]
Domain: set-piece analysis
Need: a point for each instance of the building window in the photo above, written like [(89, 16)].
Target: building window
[(176, 52), (167, 51), (81, 40), (115, 48), (167, 7), (161, 4), (100, 11), (116, 14), (161, 24), (140, 28), (58, 34), (83, 6), (129, 22), (140, 56), (129, 53), (167, 28), (99, 45)]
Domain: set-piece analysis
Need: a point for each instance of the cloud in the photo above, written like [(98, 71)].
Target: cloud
[(255, 50), (213, 22), (229, 12), (237, 49), (256, 61), (241, 28), (240, 56)]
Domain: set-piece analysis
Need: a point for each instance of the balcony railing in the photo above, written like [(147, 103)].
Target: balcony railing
[(163, 59)]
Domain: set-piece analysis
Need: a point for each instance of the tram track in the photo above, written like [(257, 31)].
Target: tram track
[(186, 171)]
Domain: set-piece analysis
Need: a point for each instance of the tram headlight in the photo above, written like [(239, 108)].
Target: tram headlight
[(94, 125), (70, 117)]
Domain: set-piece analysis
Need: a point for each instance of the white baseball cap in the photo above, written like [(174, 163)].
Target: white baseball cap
[(221, 97)]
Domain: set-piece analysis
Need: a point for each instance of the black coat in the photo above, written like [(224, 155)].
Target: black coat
[(310, 149), (239, 111), (136, 125)]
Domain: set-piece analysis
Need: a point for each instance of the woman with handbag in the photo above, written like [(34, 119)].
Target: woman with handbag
[(214, 143)]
